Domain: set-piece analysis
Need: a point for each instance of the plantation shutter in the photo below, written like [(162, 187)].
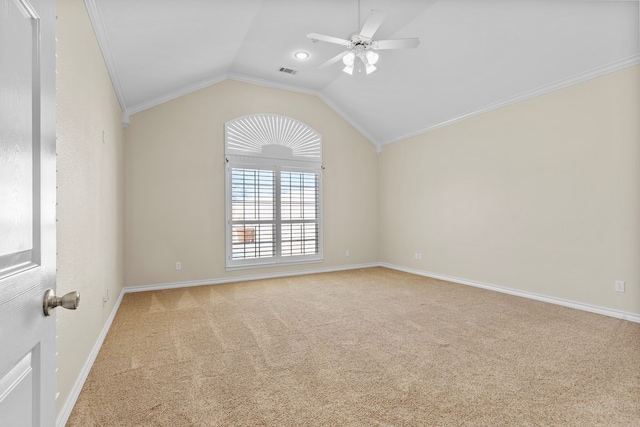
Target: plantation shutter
[(274, 188)]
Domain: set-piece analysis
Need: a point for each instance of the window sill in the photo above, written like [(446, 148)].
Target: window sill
[(272, 264)]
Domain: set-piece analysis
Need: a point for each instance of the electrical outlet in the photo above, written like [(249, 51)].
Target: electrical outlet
[(416, 255), (619, 286), (346, 252), (178, 266)]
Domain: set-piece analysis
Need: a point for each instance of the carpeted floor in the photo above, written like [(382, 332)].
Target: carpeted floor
[(371, 347)]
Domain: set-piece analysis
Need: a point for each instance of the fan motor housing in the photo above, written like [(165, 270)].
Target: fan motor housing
[(359, 43)]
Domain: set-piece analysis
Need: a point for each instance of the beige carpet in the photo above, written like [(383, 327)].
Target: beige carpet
[(372, 347)]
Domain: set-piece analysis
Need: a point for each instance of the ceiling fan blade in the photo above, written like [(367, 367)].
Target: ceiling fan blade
[(372, 23), (395, 44), (333, 60), (330, 39)]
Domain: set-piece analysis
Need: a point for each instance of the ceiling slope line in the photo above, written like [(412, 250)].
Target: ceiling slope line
[(256, 11), (560, 84), (93, 10)]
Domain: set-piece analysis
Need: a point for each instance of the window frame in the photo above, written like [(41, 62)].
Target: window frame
[(279, 144), (278, 258)]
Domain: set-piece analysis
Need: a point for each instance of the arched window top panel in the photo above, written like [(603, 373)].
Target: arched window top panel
[(272, 135)]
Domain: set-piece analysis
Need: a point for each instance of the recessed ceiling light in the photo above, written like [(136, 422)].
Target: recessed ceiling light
[(301, 55)]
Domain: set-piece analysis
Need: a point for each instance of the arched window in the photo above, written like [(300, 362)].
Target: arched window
[(273, 191)]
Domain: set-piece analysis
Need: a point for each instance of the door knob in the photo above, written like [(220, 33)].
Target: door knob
[(69, 301)]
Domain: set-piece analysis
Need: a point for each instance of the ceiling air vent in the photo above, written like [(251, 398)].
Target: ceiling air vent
[(287, 70)]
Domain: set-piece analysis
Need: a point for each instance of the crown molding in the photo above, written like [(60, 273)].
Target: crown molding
[(209, 82), (346, 117), (95, 16), (174, 94), (245, 79), (351, 121), (267, 83), (560, 84), (94, 13)]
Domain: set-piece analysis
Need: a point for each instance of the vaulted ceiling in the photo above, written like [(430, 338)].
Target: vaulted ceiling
[(474, 55)]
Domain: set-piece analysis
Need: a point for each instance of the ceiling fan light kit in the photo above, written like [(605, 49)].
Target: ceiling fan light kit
[(372, 57), (362, 46), (370, 68), (349, 59)]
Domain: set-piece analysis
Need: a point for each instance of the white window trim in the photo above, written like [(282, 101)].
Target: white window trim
[(277, 143)]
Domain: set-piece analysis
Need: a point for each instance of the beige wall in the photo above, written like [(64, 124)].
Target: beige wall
[(542, 196), (90, 191), (175, 195)]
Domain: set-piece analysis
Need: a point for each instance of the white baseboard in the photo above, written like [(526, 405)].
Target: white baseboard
[(65, 412), (558, 301), (175, 285), (77, 388)]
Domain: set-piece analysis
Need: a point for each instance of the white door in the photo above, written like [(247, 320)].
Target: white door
[(27, 212)]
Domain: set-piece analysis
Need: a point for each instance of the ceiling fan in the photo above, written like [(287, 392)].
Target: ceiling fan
[(362, 46)]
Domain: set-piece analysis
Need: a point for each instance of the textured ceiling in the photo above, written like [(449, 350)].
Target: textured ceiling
[(474, 55)]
